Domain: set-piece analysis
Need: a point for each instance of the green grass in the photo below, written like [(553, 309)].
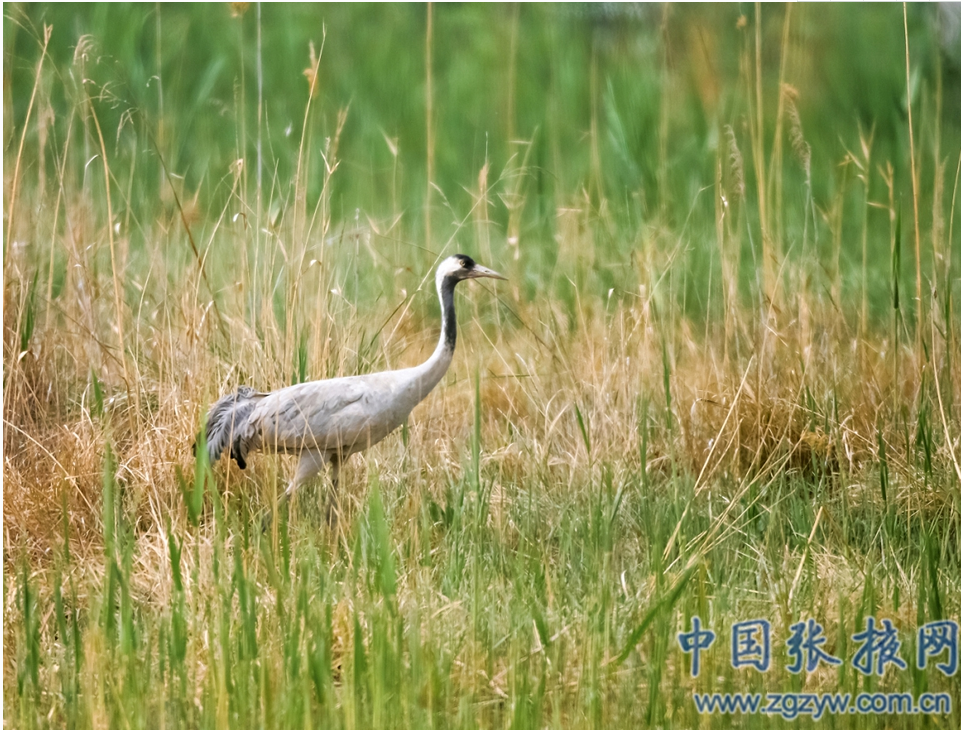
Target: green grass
[(557, 610), (709, 388)]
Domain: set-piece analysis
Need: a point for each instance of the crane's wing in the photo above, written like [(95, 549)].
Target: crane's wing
[(323, 415)]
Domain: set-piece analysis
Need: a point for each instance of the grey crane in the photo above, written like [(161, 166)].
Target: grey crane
[(325, 421)]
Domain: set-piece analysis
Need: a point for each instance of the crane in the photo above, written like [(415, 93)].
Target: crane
[(325, 421)]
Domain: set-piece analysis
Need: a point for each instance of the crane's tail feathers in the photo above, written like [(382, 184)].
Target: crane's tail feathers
[(226, 422)]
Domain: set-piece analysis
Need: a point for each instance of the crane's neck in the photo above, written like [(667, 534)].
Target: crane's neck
[(448, 327), (428, 374)]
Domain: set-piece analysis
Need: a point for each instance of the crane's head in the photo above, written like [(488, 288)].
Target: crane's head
[(459, 267)]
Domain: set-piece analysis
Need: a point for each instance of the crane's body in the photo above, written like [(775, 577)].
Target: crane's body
[(325, 421), (342, 415)]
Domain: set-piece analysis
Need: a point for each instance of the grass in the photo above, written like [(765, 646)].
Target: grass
[(721, 380)]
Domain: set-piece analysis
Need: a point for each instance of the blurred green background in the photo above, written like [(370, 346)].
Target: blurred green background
[(624, 105)]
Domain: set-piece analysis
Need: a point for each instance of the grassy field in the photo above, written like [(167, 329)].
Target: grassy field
[(723, 380)]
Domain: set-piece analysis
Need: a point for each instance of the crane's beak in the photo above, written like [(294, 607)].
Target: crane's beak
[(480, 272)]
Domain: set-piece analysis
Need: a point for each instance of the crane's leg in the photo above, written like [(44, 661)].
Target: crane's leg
[(333, 504), (310, 465)]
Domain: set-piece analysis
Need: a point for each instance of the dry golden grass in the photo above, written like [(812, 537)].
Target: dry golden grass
[(737, 410)]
